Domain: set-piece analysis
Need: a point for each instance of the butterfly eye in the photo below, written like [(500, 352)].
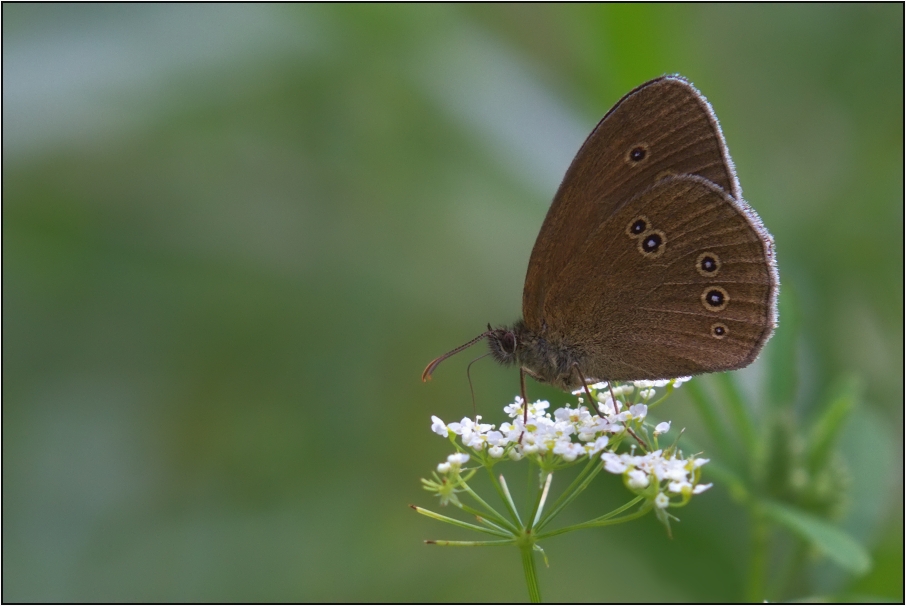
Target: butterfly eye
[(715, 298), (508, 342), (637, 226), (652, 243), (708, 264), (637, 153), (719, 331)]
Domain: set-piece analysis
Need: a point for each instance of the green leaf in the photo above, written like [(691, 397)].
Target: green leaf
[(837, 545), (739, 410), (823, 433)]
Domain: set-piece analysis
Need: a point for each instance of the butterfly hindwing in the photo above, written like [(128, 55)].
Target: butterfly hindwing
[(680, 280)]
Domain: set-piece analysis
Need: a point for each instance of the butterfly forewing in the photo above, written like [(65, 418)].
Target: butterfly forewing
[(663, 128)]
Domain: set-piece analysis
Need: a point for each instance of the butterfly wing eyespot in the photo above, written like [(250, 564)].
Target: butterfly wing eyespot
[(652, 243), (637, 154), (719, 330), (637, 226), (708, 264), (715, 298)]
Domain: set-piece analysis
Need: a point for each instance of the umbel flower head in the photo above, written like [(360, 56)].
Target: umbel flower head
[(661, 476), (612, 433)]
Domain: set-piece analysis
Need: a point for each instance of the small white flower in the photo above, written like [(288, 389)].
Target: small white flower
[(537, 409), (637, 479), (662, 428), (661, 501), (438, 427), (646, 394), (594, 387), (678, 487), (676, 471), (606, 405), (649, 384), (530, 448), (458, 458), (516, 454), (495, 452), (495, 438), (475, 441), (679, 381), (515, 409), (598, 445), (443, 467), (638, 411), (463, 428), (570, 451), (700, 488), (613, 463), (621, 390)]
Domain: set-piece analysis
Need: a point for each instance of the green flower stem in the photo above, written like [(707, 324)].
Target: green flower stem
[(531, 575), (619, 509), (755, 585), (581, 482), (666, 395), (790, 572), (471, 543), (491, 512), (460, 523), (500, 529), (539, 502), (505, 497), (491, 517), (598, 522)]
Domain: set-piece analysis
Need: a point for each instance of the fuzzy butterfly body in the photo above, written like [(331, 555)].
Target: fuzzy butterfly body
[(649, 264)]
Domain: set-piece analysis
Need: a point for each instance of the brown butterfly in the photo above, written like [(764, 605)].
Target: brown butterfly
[(649, 264)]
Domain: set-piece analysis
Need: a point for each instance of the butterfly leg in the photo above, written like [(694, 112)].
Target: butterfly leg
[(522, 393), (613, 398), (582, 380), (524, 402)]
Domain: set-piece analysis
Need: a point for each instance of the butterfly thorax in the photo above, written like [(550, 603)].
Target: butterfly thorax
[(546, 358)]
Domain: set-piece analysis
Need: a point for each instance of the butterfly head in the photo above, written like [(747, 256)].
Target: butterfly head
[(503, 343)]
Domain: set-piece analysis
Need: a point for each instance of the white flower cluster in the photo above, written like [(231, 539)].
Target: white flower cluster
[(570, 433), (678, 476)]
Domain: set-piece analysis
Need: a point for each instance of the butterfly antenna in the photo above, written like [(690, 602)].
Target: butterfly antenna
[(469, 376), (426, 376)]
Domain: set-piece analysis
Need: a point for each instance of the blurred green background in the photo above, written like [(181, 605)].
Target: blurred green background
[(234, 235)]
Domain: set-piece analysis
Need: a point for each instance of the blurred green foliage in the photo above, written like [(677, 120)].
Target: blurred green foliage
[(234, 235)]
